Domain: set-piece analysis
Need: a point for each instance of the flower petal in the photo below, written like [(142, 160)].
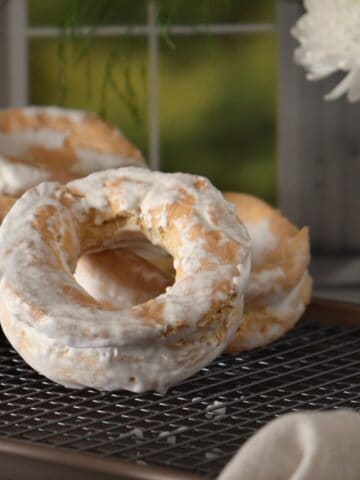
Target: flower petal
[(341, 88), (322, 71), (329, 40)]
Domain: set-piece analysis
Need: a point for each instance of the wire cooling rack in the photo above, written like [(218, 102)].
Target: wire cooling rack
[(198, 425)]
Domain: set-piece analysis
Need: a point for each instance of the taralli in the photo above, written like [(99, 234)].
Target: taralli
[(278, 290), (66, 334), (48, 143)]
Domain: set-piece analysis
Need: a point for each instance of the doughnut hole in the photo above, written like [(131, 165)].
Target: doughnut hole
[(121, 278)]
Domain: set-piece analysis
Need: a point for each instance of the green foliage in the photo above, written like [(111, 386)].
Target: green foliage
[(93, 14), (219, 118)]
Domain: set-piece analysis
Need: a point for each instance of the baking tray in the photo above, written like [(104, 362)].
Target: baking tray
[(190, 432)]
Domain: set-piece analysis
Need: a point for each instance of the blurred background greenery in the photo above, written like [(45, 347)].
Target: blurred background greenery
[(217, 93)]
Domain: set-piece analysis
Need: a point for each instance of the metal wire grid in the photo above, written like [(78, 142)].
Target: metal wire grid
[(197, 425)]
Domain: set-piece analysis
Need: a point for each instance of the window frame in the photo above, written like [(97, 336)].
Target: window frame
[(14, 17)]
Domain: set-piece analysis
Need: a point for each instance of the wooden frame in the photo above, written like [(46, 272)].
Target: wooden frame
[(13, 53), (27, 461)]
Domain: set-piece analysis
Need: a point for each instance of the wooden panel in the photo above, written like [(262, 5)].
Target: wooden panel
[(3, 45), (28, 461), (337, 277), (319, 151), (13, 53), (332, 311)]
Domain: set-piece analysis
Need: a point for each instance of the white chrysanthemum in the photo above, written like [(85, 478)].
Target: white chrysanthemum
[(329, 36)]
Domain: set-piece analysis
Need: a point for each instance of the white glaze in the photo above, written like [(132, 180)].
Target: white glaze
[(290, 305), (265, 283), (76, 116), (89, 161), (17, 143), (262, 239), (286, 311), (19, 177)]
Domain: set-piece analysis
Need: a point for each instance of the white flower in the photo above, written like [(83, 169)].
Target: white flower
[(329, 36)]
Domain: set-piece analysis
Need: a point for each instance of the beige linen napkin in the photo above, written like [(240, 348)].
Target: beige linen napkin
[(301, 446)]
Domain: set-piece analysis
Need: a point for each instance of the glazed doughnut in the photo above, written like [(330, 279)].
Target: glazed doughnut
[(48, 143), (66, 334), (279, 287)]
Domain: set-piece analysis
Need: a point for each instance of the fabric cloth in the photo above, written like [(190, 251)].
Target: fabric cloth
[(301, 446)]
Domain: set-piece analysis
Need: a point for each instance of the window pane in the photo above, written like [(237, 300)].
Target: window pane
[(109, 79), (218, 115), (218, 110), (104, 12)]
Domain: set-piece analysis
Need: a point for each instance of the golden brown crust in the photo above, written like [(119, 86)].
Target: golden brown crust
[(6, 202)]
